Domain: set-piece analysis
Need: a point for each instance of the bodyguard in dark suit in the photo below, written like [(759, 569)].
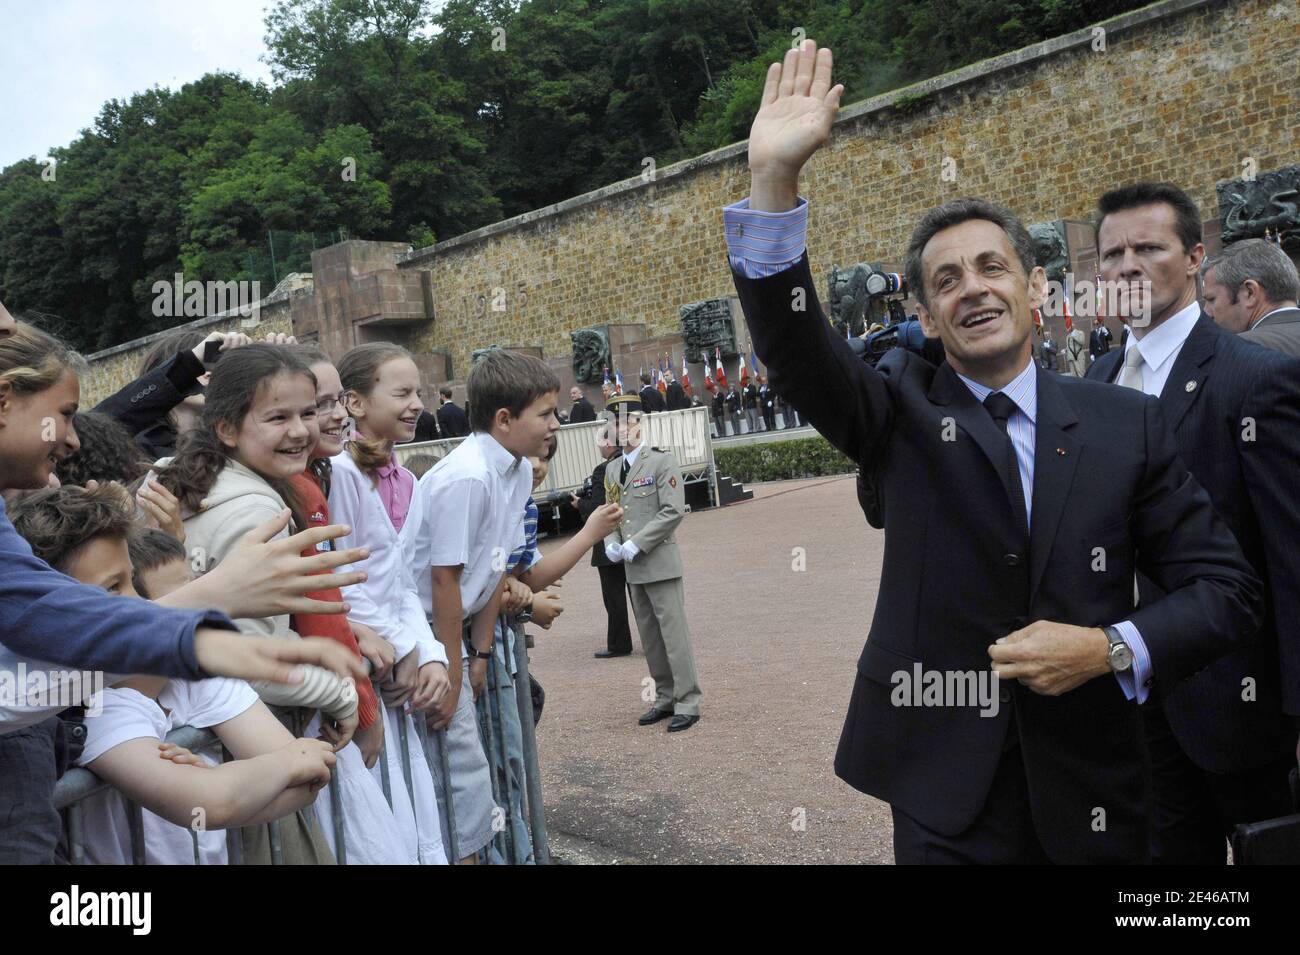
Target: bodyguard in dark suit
[(718, 407), (582, 409), (1279, 330), (426, 427), (675, 399), (613, 576), (452, 420), (1251, 290), (651, 400), (1221, 743), (973, 465)]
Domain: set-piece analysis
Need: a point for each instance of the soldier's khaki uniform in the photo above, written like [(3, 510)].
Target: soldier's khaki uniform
[(654, 503), (1076, 352)]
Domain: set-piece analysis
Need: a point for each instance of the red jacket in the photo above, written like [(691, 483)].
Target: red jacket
[(331, 626)]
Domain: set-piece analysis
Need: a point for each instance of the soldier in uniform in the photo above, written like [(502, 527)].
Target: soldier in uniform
[(1076, 352), (647, 482)]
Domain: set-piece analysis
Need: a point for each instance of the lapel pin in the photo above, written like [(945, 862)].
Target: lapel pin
[(1061, 451), (1191, 386)]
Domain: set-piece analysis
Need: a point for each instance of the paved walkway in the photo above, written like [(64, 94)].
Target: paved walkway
[(776, 649)]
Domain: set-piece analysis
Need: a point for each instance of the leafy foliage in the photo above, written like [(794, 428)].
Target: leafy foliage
[(781, 460), (452, 114)]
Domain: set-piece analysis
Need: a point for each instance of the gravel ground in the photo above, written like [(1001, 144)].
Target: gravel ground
[(776, 648)]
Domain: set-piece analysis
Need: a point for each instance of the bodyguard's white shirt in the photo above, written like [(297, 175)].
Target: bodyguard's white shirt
[(474, 501), (387, 600), (129, 714), (1160, 347)]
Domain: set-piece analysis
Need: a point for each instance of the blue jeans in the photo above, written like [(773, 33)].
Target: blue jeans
[(505, 717), (29, 826)]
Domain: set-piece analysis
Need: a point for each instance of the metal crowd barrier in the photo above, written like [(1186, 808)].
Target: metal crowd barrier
[(686, 432), (78, 784)]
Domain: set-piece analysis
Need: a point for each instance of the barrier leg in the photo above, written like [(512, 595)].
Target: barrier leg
[(503, 759), (336, 817), (76, 834), (488, 736), (135, 819), (532, 767)]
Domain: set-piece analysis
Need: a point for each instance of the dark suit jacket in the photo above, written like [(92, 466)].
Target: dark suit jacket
[(676, 398), (958, 574), (651, 400), (1280, 331), (718, 404), (143, 405), (452, 421), (1253, 485), (591, 496), (426, 427), (582, 411)]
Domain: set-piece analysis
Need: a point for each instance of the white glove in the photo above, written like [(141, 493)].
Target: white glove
[(630, 550), (614, 552)]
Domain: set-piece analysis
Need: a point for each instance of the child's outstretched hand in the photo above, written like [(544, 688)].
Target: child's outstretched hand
[(603, 521), (179, 754)]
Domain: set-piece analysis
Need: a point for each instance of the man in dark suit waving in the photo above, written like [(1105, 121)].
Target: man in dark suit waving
[(972, 464), (1221, 744)]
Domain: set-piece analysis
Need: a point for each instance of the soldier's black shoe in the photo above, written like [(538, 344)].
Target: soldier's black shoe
[(682, 722), (653, 715), (606, 654)]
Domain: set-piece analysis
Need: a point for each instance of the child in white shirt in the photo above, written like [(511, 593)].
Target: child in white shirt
[(84, 534), (372, 493)]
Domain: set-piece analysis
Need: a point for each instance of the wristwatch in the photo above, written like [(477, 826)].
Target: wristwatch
[(1120, 657), (477, 654), (526, 614)]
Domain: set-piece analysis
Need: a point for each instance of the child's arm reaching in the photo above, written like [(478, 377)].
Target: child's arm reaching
[(560, 561), (221, 797)]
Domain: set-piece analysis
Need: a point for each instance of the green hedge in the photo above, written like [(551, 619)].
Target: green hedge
[(781, 460)]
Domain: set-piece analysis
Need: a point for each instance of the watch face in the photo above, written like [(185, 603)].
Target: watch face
[(1121, 657)]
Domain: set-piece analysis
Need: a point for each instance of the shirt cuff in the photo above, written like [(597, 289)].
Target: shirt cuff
[(1136, 682), (760, 244), (189, 653), (431, 652)]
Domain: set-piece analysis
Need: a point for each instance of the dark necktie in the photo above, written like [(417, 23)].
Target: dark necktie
[(622, 478), (1001, 407)]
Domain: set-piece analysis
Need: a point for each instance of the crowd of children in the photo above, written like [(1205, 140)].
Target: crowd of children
[(231, 542)]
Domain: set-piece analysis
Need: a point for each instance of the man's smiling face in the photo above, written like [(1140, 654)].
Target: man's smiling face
[(980, 301)]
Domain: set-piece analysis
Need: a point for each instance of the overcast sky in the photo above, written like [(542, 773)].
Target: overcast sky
[(61, 60)]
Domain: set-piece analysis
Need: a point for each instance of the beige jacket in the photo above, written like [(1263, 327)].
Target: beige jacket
[(654, 503), (237, 503)]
